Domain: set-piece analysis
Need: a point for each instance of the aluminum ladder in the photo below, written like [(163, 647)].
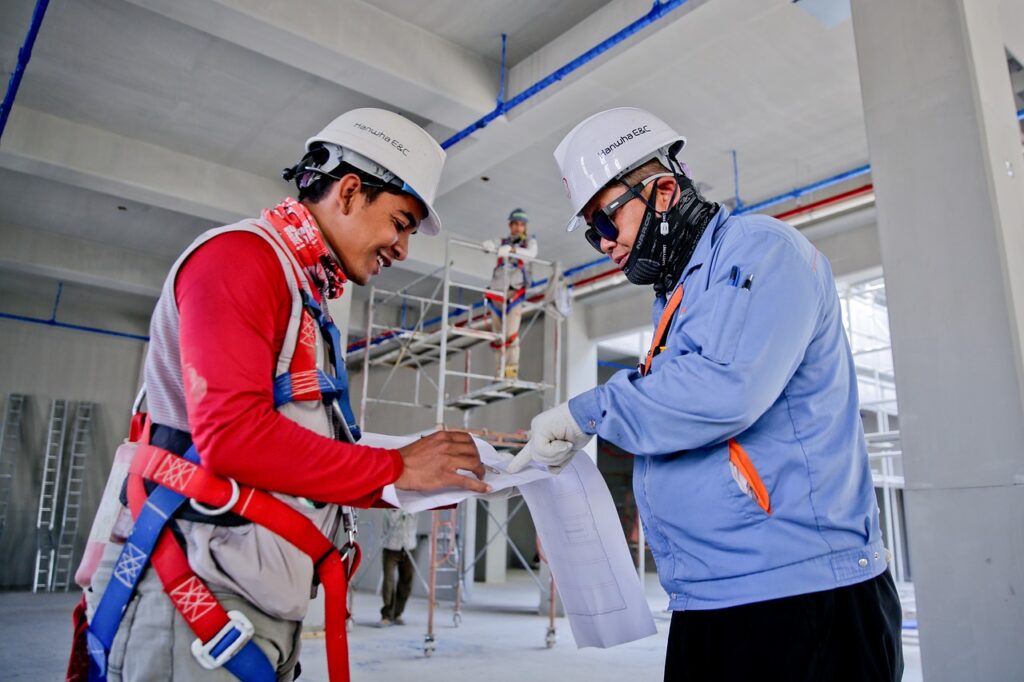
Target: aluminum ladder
[(81, 444), (49, 491), (10, 447)]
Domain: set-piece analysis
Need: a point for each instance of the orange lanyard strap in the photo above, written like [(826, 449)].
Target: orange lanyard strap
[(663, 324)]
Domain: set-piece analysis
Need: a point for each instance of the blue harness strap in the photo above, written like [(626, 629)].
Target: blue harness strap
[(331, 388), (516, 299), (248, 664)]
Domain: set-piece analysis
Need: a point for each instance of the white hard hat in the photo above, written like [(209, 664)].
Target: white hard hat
[(608, 145), (398, 149)]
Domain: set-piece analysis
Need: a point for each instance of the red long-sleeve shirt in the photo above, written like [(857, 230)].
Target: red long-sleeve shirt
[(234, 305)]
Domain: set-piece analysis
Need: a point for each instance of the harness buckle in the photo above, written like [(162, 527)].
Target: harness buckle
[(222, 647), (210, 511)]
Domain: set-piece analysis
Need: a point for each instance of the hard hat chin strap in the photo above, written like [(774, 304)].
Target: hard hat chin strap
[(666, 240)]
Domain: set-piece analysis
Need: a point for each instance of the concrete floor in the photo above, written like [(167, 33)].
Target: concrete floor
[(501, 637)]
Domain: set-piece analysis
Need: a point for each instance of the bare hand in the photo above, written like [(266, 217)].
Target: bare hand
[(432, 462)]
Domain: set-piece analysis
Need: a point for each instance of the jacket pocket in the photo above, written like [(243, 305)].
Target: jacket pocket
[(727, 319), (746, 476)]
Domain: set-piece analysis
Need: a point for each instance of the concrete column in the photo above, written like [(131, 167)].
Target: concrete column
[(946, 162), (580, 362), (496, 557)]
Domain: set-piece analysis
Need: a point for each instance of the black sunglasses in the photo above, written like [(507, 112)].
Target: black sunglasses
[(601, 225)]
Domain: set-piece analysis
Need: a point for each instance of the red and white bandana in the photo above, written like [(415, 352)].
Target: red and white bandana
[(299, 230)]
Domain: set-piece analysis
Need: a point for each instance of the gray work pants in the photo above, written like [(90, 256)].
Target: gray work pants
[(395, 596)]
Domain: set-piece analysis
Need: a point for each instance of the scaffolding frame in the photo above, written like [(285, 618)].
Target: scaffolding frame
[(426, 346), (49, 495), (81, 445)]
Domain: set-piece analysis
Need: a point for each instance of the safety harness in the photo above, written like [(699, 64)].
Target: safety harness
[(166, 474)]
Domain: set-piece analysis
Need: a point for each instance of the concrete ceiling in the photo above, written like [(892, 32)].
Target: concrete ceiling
[(185, 112), (477, 26)]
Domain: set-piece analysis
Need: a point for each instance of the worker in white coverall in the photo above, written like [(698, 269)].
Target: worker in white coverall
[(251, 425), (510, 281), (750, 465)]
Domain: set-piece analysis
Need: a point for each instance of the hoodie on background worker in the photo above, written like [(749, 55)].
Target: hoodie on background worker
[(251, 448), (750, 465), (509, 282)]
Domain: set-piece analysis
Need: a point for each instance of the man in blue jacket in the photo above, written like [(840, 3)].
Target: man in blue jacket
[(751, 471)]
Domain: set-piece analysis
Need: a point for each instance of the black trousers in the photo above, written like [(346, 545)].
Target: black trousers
[(849, 633), (395, 595)]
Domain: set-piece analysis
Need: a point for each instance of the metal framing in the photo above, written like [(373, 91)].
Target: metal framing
[(449, 321), (49, 493), (885, 453), (81, 444)]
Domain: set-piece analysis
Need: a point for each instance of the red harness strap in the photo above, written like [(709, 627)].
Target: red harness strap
[(190, 595)]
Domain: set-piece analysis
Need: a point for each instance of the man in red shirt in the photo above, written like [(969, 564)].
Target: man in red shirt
[(244, 365)]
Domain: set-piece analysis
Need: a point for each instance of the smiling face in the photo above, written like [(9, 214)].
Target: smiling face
[(366, 235)]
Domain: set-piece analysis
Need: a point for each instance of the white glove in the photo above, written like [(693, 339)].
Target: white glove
[(554, 438), (504, 251), (489, 245)]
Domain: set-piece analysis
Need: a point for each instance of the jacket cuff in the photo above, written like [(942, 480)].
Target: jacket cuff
[(586, 410)]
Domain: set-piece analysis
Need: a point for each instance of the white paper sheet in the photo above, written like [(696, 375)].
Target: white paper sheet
[(495, 476), (582, 538), (580, 533)]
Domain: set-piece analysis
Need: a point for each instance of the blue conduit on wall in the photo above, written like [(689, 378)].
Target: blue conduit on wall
[(52, 322), (658, 10), (24, 54)]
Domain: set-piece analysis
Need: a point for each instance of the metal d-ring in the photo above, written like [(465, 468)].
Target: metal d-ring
[(209, 511)]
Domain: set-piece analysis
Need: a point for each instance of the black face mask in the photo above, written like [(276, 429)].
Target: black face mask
[(664, 243)]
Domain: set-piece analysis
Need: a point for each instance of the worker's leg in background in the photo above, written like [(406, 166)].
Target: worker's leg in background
[(496, 327), (514, 317), (813, 636), (155, 644), (390, 560), (405, 572)]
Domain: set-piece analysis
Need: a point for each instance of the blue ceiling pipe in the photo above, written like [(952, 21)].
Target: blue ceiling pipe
[(24, 54), (52, 322), (658, 10)]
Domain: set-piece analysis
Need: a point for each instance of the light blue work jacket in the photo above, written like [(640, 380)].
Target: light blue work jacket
[(751, 470)]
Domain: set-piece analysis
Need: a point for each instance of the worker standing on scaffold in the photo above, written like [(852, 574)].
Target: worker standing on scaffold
[(509, 282), (750, 465), (251, 444)]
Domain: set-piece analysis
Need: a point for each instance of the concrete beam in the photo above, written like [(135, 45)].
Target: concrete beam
[(396, 62), (559, 107), (66, 259), (56, 149), (1011, 20)]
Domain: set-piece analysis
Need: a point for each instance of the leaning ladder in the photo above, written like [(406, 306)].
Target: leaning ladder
[(49, 490), (81, 442), (445, 558), (10, 446)]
